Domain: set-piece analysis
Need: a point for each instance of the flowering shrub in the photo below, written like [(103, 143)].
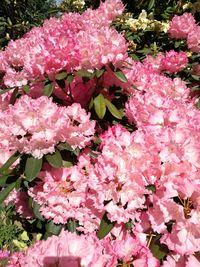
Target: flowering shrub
[(100, 153)]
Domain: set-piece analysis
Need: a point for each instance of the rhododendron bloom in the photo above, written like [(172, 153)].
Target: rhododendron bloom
[(193, 40), (180, 26)]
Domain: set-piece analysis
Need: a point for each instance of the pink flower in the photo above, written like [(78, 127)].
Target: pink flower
[(174, 61), (193, 40), (180, 26)]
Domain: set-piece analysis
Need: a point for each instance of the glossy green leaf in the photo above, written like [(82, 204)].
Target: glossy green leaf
[(67, 164), (105, 227), (158, 250), (85, 73), (48, 89), (70, 78), (53, 228), (9, 162), (99, 73), (55, 159), (64, 146), (91, 103), (6, 191), (26, 88), (100, 106), (71, 226), (120, 75), (32, 168), (61, 76), (151, 4), (113, 110), (36, 211)]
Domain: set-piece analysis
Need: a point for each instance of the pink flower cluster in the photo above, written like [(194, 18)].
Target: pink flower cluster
[(146, 180), (36, 126), (68, 43), (185, 27), (171, 62)]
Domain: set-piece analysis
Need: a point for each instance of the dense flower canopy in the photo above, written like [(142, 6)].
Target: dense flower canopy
[(139, 179)]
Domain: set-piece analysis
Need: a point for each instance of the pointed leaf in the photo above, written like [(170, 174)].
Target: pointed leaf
[(6, 191), (70, 78), (105, 227), (100, 106), (113, 110), (61, 76), (48, 89), (85, 73), (26, 88), (36, 211), (120, 75), (55, 159), (64, 146), (9, 162), (53, 228), (99, 73), (32, 168)]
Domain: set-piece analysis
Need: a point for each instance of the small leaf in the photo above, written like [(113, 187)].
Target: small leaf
[(71, 226), (158, 250), (53, 228), (36, 211), (85, 73), (105, 227), (198, 104), (100, 106), (24, 236), (6, 191), (55, 159), (91, 103), (64, 146), (67, 164), (151, 4), (26, 88), (99, 73), (32, 168), (9, 162), (61, 76), (120, 75), (196, 77), (113, 110), (70, 78), (48, 89)]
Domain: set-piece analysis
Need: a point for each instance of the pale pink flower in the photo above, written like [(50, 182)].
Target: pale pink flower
[(180, 26), (193, 40)]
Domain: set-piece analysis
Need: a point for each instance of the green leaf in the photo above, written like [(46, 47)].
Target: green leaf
[(120, 75), (196, 77), (26, 88), (55, 159), (9, 162), (158, 250), (85, 73), (64, 146), (36, 211), (67, 164), (6, 191), (99, 73), (105, 227), (198, 104), (151, 4), (113, 110), (70, 78), (53, 228), (48, 89), (100, 106), (32, 168), (71, 226), (3, 91), (61, 76), (91, 103)]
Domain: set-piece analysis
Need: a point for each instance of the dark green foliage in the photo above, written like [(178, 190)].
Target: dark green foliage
[(19, 16)]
